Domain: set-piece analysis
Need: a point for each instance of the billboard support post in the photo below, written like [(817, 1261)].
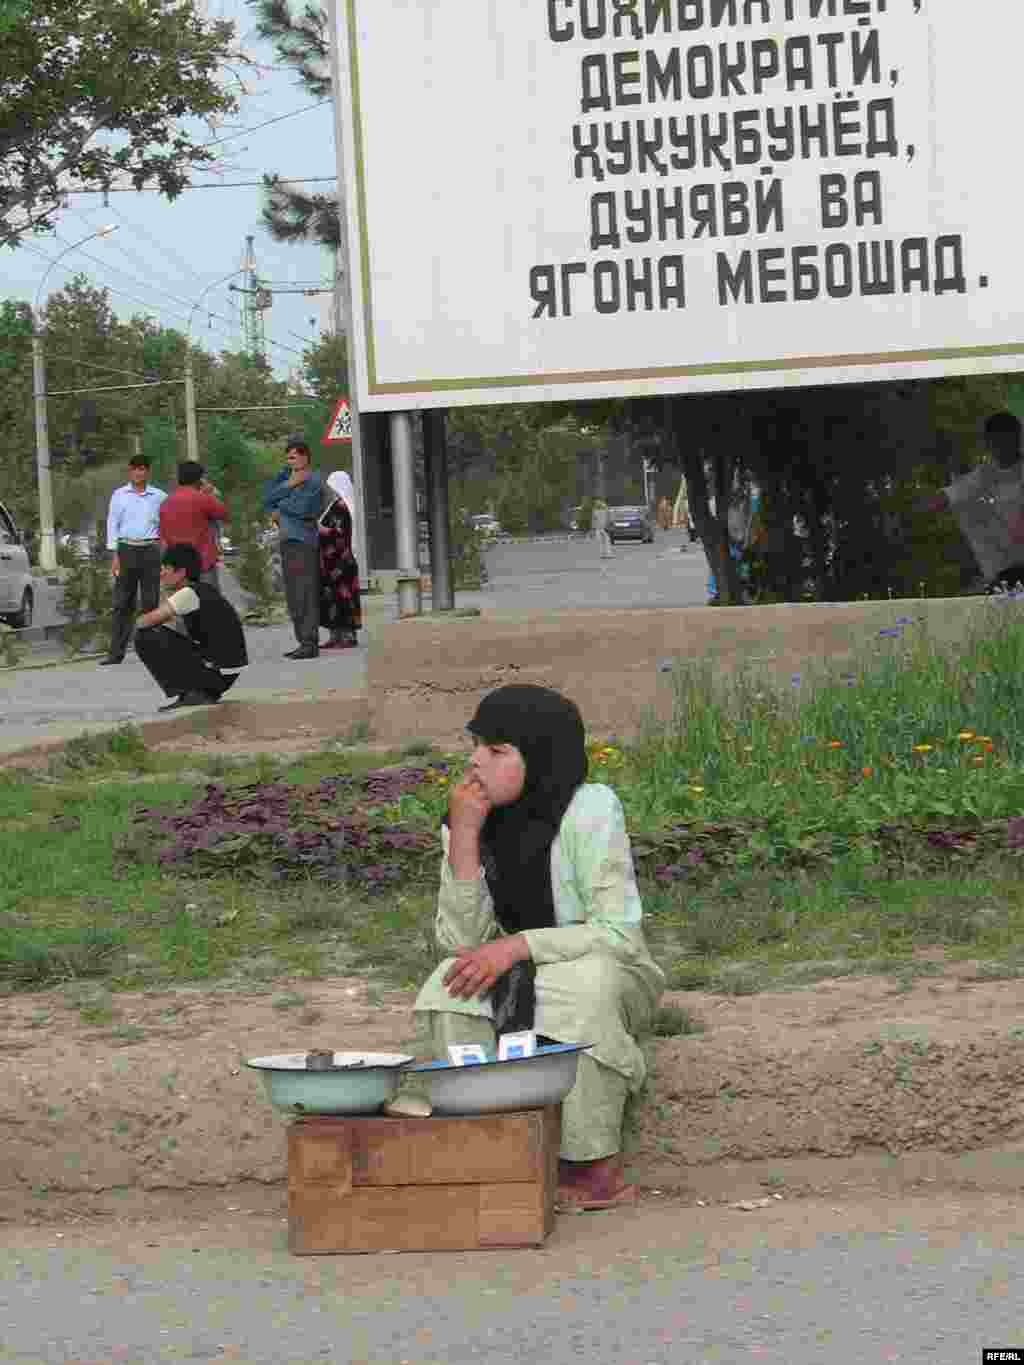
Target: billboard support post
[(436, 466), (406, 539)]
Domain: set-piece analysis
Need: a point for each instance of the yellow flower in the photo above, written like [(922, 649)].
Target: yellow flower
[(984, 739), (922, 748), (698, 791), (966, 734)]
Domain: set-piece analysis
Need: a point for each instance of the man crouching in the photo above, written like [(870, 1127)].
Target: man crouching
[(192, 636)]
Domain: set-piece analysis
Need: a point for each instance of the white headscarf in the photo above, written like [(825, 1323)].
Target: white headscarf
[(341, 483)]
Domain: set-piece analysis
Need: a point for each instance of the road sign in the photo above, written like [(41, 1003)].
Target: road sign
[(339, 428)]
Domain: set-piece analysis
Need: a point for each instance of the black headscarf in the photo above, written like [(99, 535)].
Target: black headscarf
[(515, 842)]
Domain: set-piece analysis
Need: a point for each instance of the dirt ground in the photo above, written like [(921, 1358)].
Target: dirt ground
[(798, 1092), (844, 1085), (426, 677)]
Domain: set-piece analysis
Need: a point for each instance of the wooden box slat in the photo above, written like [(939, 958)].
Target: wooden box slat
[(409, 1184)]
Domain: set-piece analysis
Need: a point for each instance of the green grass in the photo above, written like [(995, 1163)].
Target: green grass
[(767, 856)]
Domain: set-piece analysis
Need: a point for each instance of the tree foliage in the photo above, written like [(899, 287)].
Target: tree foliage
[(87, 347), (98, 93), (300, 38)]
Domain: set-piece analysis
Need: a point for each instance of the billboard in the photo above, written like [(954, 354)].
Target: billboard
[(566, 199)]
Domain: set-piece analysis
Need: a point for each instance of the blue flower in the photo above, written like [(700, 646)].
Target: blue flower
[(808, 739), (796, 679), (892, 632), (904, 621)]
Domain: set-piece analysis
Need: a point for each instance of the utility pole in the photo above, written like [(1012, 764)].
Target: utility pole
[(191, 433), (47, 539)]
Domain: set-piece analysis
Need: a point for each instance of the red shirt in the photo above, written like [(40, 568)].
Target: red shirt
[(186, 518)]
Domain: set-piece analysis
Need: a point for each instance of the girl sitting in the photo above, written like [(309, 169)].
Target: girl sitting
[(540, 910)]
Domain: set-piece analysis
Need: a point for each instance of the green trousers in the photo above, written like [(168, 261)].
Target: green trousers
[(591, 1112)]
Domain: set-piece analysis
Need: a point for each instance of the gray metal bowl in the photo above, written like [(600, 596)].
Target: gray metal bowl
[(361, 1090), (490, 1087)]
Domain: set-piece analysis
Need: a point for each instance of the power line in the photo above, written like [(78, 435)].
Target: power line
[(176, 298), (77, 360), (208, 185), (257, 126)]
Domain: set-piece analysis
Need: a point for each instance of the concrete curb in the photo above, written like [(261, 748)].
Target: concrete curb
[(259, 720)]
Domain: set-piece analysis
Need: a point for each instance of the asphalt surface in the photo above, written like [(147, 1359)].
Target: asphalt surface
[(69, 698), (568, 573), (899, 1280)]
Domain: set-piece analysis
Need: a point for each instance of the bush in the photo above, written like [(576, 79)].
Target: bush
[(87, 600)]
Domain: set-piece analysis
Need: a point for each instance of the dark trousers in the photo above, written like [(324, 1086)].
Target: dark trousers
[(139, 577), (176, 665), (300, 566)]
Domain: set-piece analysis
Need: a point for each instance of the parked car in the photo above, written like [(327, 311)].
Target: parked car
[(80, 544), (631, 523), (17, 593), (488, 526)]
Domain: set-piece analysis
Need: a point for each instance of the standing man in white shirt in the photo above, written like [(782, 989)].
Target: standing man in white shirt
[(133, 537), (989, 505)]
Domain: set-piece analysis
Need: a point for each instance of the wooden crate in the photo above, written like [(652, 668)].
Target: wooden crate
[(413, 1184)]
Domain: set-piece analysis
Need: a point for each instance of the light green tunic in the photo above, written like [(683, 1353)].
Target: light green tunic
[(596, 981)]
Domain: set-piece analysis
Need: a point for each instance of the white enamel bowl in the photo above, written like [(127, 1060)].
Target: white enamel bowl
[(361, 1090), (490, 1087)]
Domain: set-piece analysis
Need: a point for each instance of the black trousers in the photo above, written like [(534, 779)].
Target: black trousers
[(139, 577), (300, 566), (176, 665)]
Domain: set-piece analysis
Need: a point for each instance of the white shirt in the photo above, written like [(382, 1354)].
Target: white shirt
[(984, 502), (134, 516), (182, 602)]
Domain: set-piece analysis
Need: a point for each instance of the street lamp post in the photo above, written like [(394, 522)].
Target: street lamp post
[(47, 539), (191, 429)]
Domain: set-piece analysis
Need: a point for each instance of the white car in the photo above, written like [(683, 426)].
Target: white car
[(17, 591), (487, 525)]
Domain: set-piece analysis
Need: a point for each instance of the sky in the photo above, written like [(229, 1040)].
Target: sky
[(163, 255)]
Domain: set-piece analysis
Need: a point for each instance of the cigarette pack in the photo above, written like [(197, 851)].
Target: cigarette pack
[(512, 1045), (466, 1054)]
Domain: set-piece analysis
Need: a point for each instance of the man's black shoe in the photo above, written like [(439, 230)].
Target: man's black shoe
[(306, 652), (191, 699), (112, 659)]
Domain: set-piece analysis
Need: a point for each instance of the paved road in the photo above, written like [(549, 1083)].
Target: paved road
[(568, 573), (903, 1279)]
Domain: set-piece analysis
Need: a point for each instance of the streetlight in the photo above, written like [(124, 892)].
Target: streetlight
[(47, 540), (191, 430)]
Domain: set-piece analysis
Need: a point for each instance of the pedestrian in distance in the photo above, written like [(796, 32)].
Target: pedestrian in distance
[(988, 503), (340, 600), (294, 500), (541, 920), (192, 643), (600, 520), (191, 515), (664, 514), (133, 538)]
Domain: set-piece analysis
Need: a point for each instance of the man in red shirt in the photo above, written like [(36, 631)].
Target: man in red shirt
[(189, 517)]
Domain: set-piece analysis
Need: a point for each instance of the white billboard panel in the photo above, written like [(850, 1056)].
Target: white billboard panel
[(565, 199)]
